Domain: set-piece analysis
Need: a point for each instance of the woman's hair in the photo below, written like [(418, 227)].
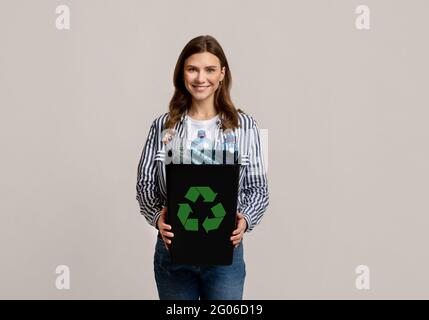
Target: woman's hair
[(182, 99)]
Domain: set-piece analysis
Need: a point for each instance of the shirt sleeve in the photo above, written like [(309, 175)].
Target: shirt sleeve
[(148, 195), (254, 192)]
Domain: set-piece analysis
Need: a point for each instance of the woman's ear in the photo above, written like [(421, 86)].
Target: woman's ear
[(223, 73)]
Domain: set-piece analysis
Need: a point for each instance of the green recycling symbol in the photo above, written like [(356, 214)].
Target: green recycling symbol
[(185, 210)]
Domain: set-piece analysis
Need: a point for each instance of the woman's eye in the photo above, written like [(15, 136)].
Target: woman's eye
[(208, 70)]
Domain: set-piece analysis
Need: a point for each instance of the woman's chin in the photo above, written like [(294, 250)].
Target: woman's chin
[(200, 96)]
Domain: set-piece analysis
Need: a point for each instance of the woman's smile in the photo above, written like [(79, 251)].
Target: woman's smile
[(200, 88)]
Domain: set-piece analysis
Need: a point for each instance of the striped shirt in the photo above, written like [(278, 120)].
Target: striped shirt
[(253, 197)]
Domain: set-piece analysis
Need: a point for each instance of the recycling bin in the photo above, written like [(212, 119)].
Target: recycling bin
[(201, 209)]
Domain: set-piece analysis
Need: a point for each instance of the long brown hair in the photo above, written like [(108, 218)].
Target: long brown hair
[(181, 100)]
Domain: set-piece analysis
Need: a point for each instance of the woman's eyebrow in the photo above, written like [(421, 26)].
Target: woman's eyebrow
[(192, 66)]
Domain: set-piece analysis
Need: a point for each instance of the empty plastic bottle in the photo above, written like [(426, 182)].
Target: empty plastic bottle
[(202, 149), (230, 149)]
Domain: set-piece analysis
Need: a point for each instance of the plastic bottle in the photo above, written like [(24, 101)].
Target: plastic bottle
[(230, 148), (199, 147)]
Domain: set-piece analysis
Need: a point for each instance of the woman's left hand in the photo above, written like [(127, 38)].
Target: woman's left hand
[(237, 234)]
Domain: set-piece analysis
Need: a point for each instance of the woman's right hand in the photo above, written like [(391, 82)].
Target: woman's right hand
[(164, 228)]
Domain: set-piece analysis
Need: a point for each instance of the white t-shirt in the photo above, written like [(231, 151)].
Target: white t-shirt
[(209, 126)]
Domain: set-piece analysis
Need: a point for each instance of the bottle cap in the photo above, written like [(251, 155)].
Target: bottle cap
[(201, 134)]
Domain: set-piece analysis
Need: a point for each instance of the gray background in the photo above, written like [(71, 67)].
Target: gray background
[(346, 111)]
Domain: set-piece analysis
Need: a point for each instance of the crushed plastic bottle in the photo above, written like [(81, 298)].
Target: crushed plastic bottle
[(202, 149)]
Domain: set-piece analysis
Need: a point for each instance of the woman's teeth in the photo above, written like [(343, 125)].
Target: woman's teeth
[(200, 88)]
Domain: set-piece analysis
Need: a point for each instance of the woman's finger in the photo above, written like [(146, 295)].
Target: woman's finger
[(166, 226), (235, 238), (240, 229), (166, 240), (169, 234)]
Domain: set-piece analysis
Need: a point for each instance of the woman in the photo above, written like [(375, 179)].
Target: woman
[(201, 107)]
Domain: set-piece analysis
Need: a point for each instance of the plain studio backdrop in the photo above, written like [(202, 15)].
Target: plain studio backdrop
[(345, 111)]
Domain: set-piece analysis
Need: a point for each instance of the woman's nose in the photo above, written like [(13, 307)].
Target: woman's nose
[(201, 77)]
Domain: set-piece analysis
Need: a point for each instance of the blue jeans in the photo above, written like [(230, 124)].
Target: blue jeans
[(190, 282)]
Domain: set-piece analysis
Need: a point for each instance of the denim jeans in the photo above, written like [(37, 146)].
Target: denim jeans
[(191, 282)]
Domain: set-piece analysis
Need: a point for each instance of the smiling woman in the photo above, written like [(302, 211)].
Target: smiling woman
[(203, 74), (201, 113), (202, 79)]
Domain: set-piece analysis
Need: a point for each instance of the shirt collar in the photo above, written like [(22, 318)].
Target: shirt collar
[(184, 118)]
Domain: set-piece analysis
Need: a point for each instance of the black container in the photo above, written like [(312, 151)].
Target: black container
[(201, 209)]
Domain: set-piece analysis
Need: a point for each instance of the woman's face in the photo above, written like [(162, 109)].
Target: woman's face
[(202, 73)]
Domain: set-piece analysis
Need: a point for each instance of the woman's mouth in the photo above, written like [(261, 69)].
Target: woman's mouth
[(200, 88)]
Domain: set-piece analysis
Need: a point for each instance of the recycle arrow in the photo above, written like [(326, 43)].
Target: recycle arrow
[(183, 214), (206, 192), (214, 223), (185, 210)]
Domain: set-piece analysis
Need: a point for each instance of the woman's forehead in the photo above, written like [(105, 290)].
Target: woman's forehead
[(204, 59)]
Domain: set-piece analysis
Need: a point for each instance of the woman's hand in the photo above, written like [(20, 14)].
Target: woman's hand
[(237, 234), (163, 228)]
